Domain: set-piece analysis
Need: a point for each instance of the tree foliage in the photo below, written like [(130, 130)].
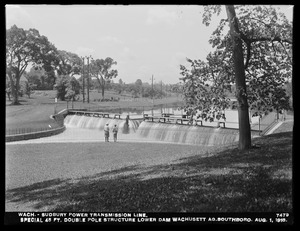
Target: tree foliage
[(40, 79), (28, 88), (204, 94), (102, 70), (263, 38), (73, 89), (138, 88), (267, 49), (61, 85), (267, 44), (68, 63), (24, 47), (8, 88), (67, 87)]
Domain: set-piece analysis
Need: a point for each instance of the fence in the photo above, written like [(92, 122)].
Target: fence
[(132, 109)]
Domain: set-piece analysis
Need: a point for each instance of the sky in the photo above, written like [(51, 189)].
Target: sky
[(144, 40)]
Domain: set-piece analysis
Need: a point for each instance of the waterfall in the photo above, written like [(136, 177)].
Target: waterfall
[(90, 122), (150, 131), (207, 136)]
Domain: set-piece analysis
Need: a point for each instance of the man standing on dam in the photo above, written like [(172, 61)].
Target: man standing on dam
[(106, 133), (115, 132)]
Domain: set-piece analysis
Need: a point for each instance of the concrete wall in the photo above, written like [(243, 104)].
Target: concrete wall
[(34, 135), (59, 118)]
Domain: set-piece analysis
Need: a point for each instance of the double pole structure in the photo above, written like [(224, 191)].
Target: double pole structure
[(152, 93), (88, 78)]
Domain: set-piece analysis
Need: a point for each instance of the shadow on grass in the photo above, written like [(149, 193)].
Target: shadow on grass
[(228, 181)]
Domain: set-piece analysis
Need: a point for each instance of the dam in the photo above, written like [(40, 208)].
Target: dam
[(145, 129), (161, 126), (186, 134), (98, 123)]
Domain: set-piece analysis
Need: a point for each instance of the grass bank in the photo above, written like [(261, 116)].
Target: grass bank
[(212, 180), (34, 112)]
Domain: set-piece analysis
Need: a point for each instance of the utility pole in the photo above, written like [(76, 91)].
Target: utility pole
[(88, 78), (152, 96), (152, 91), (82, 76), (161, 89)]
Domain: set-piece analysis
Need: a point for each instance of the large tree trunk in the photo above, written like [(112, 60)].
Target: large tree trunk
[(239, 69), (102, 87), (15, 91), (8, 95)]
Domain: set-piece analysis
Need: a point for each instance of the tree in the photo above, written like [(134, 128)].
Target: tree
[(117, 87), (202, 90), (7, 87), (61, 86), (139, 87), (73, 89), (24, 47), (101, 69), (256, 51), (176, 88), (68, 63), (289, 91), (37, 77), (28, 88), (240, 81)]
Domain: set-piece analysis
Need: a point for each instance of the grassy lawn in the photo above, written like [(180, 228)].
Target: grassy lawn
[(286, 126), (34, 112), (215, 180)]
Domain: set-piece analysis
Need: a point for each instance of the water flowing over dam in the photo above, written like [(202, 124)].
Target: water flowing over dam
[(98, 123), (185, 134), (152, 131)]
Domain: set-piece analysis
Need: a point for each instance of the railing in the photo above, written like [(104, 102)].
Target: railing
[(268, 128), (118, 109)]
